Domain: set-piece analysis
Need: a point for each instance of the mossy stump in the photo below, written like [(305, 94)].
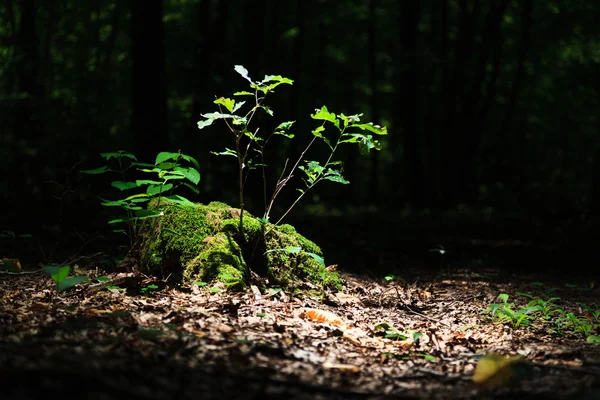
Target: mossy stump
[(203, 242)]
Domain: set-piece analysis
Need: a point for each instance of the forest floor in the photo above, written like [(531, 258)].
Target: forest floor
[(138, 338)]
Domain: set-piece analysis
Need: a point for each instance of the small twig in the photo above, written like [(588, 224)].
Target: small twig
[(22, 272)]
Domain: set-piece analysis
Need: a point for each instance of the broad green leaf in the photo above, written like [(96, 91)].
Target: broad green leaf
[(135, 196), (277, 78), (335, 176), (96, 171), (191, 174), (376, 129), (143, 182), (349, 119), (153, 190), (593, 339), (25, 236), (103, 279), (199, 283), (205, 123), (243, 93), (227, 103), (70, 282), (164, 156), (8, 234), (58, 273), (191, 159), (180, 200), (218, 115), (284, 126), (316, 257), (325, 115), (124, 185), (243, 72)]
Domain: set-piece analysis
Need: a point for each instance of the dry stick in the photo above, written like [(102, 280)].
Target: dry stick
[(404, 305)]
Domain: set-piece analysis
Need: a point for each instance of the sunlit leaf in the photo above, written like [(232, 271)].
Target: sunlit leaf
[(227, 103), (243, 72), (494, 369), (70, 282)]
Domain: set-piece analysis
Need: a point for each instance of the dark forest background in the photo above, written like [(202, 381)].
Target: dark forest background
[(492, 108)]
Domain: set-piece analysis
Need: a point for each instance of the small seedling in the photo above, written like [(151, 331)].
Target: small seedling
[(59, 275)]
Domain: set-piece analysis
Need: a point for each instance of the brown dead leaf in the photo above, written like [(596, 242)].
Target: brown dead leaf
[(323, 316)]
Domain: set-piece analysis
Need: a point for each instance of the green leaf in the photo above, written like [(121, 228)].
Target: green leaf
[(227, 152), (124, 185), (58, 273), (316, 257), (376, 129), (243, 93), (204, 124), (70, 282), (277, 78), (593, 339), (335, 176), (103, 279), (238, 106), (153, 190), (243, 72), (191, 160), (180, 200), (317, 133), (199, 283), (325, 115), (96, 171), (191, 174), (143, 182), (164, 156), (227, 103)]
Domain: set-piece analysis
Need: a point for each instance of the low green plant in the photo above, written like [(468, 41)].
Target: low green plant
[(250, 143), (546, 308), (505, 312), (172, 170), (578, 325), (60, 276), (147, 289)]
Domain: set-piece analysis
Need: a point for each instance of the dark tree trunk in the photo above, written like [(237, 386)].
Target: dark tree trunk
[(149, 92), (409, 103)]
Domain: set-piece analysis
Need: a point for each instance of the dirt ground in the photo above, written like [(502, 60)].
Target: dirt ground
[(138, 338)]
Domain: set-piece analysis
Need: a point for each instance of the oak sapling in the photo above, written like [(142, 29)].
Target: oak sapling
[(237, 117)]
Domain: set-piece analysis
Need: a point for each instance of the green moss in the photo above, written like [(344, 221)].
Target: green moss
[(204, 243)]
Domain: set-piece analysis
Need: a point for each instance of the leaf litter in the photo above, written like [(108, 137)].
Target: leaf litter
[(375, 339)]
